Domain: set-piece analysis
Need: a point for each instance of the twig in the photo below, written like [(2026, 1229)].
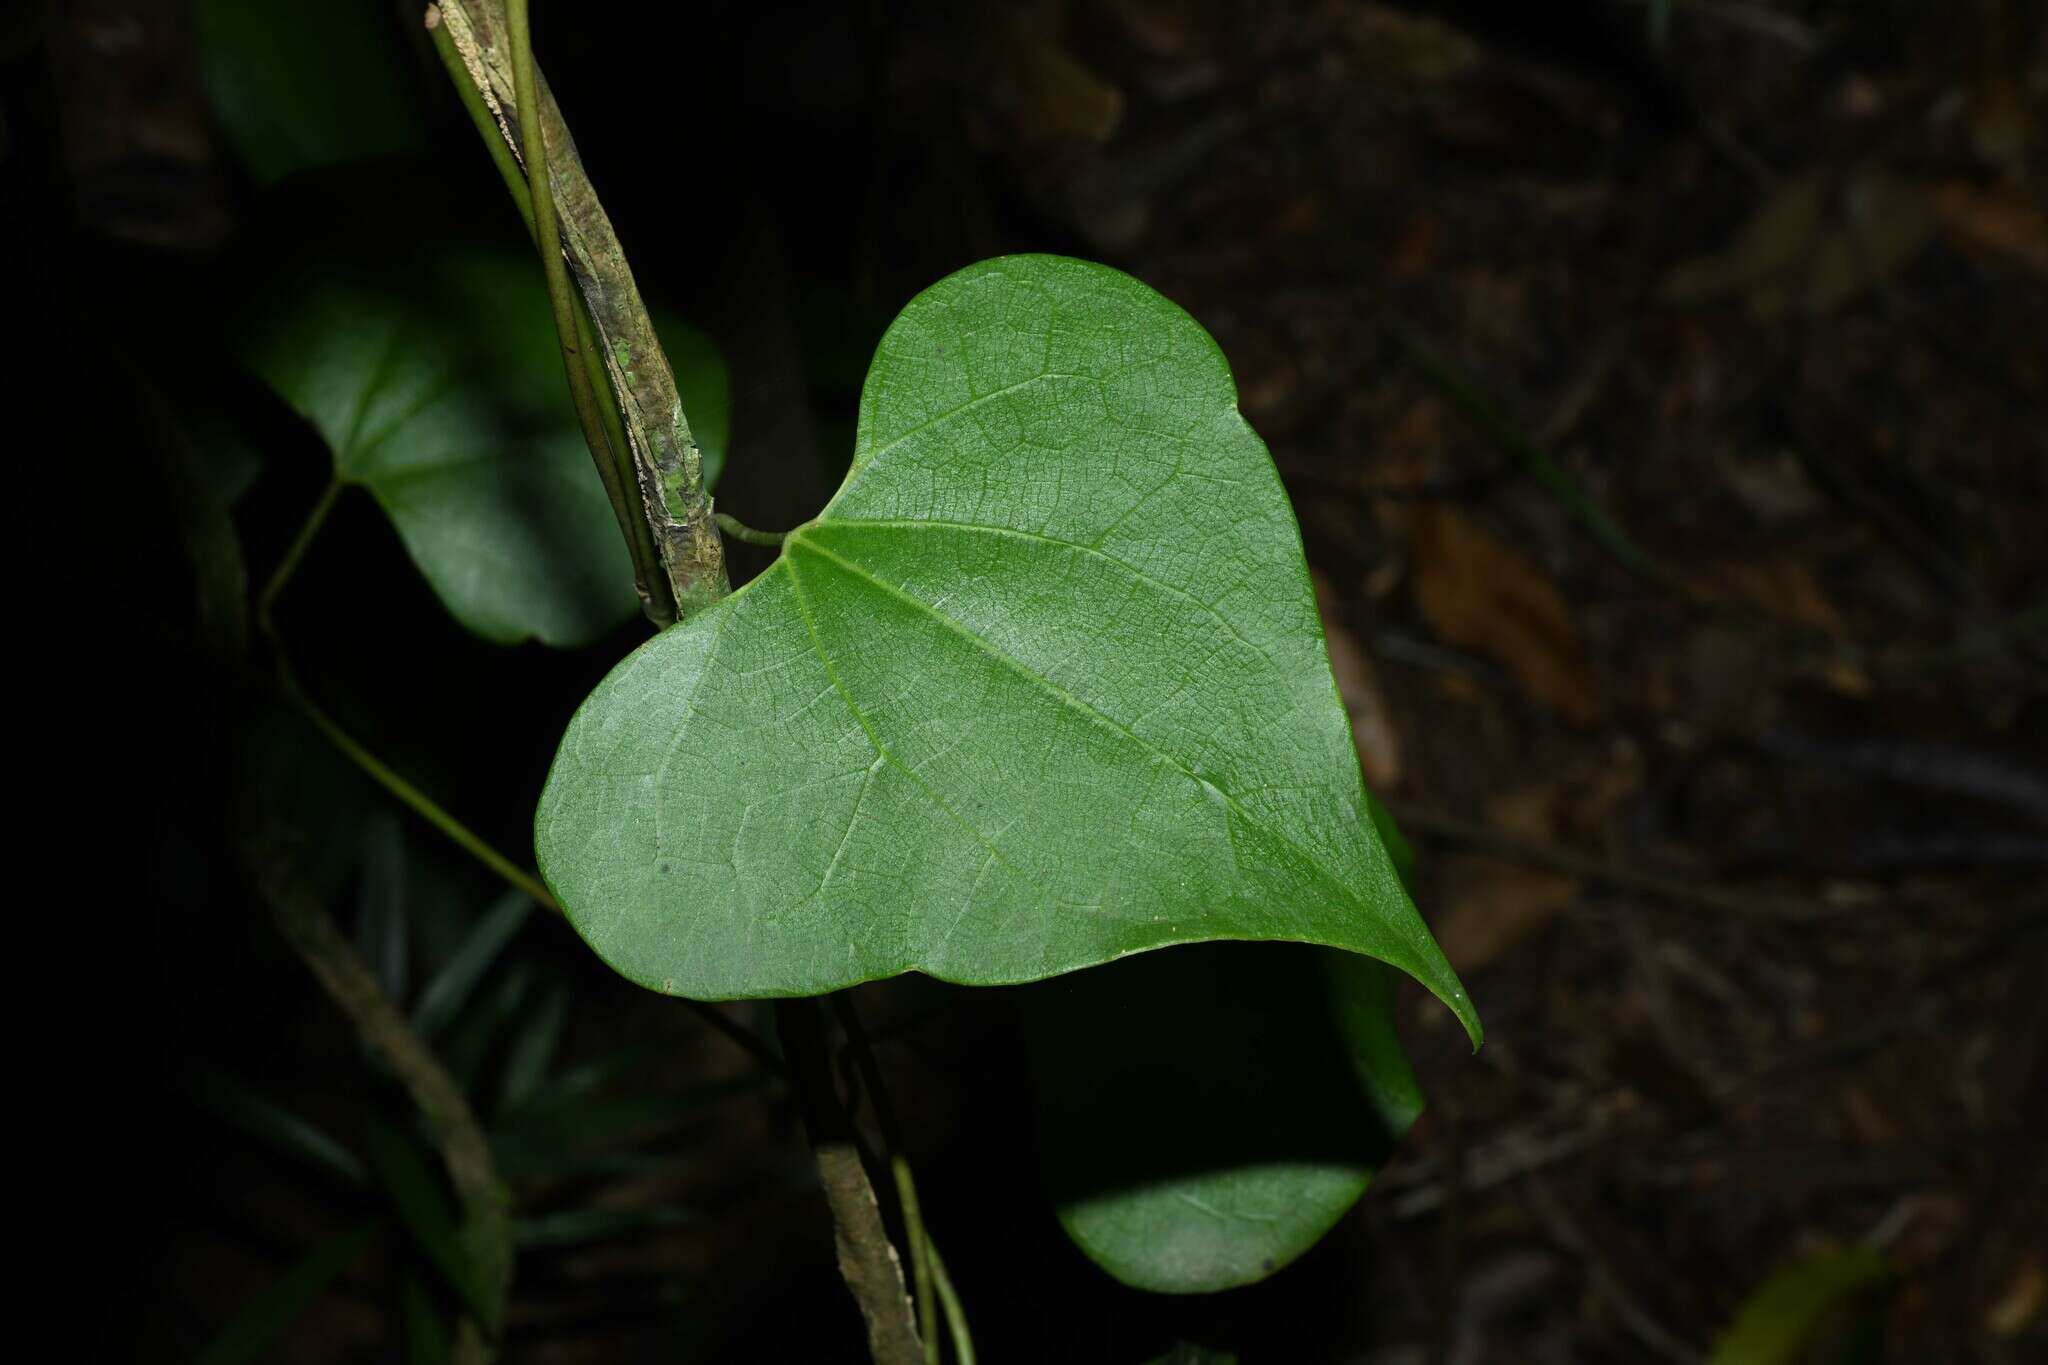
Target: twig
[(614, 465), (867, 1261), (1637, 1319), (1758, 19), (926, 1266), (1680, 892), (305, 924), (1497, 1164)]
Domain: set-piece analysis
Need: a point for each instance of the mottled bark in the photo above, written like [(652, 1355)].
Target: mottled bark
[(666, 460)]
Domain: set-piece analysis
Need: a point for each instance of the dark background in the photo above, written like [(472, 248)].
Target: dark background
[(1738, 843)]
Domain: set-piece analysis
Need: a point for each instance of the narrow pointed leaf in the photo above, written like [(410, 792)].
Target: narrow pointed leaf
[(426, 1330), (579, 1227), (227, 1098), (487, 1026), (1207, 1114), (1042, 687), (264, 1320), (423, 1205), (457, 980), (531, 1054), (436, 382)]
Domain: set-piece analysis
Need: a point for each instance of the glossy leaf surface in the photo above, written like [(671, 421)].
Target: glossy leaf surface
[(437, 385), (1042, 687)]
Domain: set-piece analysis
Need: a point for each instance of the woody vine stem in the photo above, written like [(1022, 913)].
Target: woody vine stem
[(632, 419)]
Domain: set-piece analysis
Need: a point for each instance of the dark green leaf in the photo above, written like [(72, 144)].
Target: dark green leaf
[(419, 1195), (1042, 687), (1199, 1115), (1207, 1114), (577, 1227), (453, 985), (300, 86), (531, 1054), (426, 1333), (1779, 1318), (227, 1099), (436, 382), (266, 1318), (558, 1138), (488, 1024)]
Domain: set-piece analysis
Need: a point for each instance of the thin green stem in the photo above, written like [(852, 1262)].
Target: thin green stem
[(415, 800), (481, 116), (573, 333), (1512, 441), (296, 553), (412, 797), (920, 1248), (739, 530), (466, 839), (956, 1315)]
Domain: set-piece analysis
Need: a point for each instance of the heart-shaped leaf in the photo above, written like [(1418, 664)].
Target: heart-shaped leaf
[(436, 381), (1205, 1115), (1042, 687)]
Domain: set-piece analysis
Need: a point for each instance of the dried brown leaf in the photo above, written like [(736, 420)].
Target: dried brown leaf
[(1806, 250), (2000, 222), (1491, 907), (1480, 593)]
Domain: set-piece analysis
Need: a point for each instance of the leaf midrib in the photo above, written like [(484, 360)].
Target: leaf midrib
[(799, 541), (882, 750), (1040, 538)]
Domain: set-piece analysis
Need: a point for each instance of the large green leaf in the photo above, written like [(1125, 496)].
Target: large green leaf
[(1042, 687), (297, 87), (437, 384), (1206, 1114)]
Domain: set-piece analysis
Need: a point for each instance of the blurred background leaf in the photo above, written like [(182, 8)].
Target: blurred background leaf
[(298, 87), (1784, 1321), (434, 377), (1206, 1113), (255, 1331)]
